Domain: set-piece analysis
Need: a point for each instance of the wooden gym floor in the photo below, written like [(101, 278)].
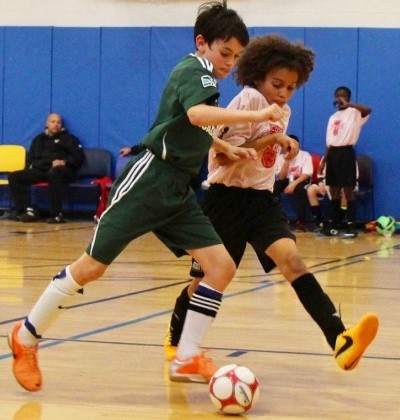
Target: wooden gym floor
[(103, 358)]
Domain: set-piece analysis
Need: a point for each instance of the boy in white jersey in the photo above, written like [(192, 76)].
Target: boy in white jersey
[(342, 133), (240, 201)]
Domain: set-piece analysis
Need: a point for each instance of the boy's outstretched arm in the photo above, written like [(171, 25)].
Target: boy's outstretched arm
[(208, 115)]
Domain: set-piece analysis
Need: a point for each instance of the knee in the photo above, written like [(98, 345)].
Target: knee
[(221, 271), (87, 269), (230, 268), (292, 266)]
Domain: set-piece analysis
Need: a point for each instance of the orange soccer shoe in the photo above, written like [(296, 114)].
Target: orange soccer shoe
[(351, 344), (196, 369), (25, 366)]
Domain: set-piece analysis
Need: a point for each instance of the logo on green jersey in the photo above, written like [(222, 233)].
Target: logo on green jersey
[(208, 81)]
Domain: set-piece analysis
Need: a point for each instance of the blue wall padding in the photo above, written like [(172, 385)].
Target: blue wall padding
[(379, 86), (124, 86), (2, 30), (27, 82), (76, 80), (168, 47), (107, 83)]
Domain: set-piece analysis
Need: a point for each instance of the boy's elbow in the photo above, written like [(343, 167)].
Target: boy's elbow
[(365, 112), (194, 116)]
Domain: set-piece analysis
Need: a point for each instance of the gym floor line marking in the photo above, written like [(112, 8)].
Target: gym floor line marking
[(53, 343), (8, 321), (155, 315), (37, 232), (233, 352)]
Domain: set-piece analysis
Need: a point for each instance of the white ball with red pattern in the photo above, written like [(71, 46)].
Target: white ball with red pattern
[(234, 389)]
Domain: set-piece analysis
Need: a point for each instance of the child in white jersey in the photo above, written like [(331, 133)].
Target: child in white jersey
[(240, 201), (293, 176), (342, 133)]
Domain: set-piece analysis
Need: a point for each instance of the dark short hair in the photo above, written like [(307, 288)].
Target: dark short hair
[(345, 88), (215, 21)]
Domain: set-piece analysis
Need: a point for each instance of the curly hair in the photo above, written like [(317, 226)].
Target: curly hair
[(265, 53)]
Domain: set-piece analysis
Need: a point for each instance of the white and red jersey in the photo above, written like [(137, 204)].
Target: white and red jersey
[(299, 165), (344, 127), (248, 173)]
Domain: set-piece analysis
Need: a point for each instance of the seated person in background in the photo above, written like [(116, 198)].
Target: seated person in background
[(293, 177), (54, 157), (316, 193)]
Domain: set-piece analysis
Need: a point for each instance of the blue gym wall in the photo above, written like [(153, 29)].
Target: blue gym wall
[(106, 83)]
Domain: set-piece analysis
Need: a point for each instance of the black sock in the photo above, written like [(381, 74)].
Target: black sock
[(317, 213), (319, 306), (178, 316), (351, 211), (336, 213)]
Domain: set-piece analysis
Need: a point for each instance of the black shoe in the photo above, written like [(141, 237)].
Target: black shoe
[(56, 219), (30, 215), (351, 231), (318, 227), (328, 230)]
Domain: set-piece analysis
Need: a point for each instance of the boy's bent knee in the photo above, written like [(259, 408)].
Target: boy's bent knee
[(87, 269)]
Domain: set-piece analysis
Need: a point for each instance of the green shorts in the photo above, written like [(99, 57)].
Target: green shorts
[(151, 196)]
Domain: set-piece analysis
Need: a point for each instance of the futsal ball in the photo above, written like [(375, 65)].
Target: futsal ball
[(234, 389), (386, 225)]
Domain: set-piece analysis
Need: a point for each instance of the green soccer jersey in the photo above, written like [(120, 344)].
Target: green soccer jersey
[(172, 137)]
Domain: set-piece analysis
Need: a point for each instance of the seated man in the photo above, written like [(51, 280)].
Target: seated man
[(54, 157), (293, 177)]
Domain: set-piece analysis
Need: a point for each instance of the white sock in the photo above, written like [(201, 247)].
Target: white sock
[(48, 307), (194, 330)]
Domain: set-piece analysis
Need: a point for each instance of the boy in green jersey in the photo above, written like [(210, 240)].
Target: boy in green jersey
[(153, 194)]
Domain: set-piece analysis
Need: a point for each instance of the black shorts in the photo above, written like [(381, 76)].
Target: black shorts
[(341, 169), (242, 216)]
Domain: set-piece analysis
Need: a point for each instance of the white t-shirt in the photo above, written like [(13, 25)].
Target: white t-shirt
[(248, 173), (299, 165), (344, 127)]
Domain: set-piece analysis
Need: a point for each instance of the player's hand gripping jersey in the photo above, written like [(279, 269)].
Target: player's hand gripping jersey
[(258, 174)]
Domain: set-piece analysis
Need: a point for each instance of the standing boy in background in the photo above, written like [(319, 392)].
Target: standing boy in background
[(342, 134)]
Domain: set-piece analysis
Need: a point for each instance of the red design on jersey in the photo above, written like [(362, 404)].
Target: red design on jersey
[(273, 128), (270, 153), (336, 126)]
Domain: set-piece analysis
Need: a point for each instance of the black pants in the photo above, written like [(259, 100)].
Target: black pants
[(20, 181), (300, 195)]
